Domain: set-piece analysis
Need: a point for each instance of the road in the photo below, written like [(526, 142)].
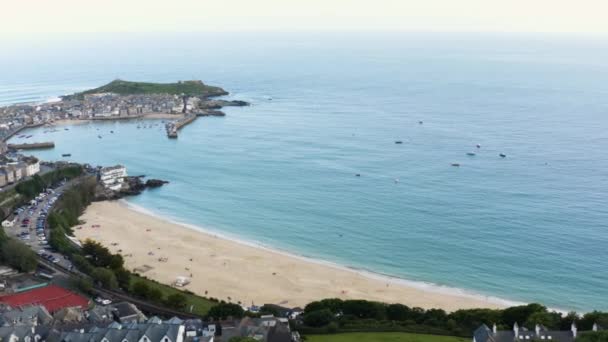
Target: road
[(30, 226)]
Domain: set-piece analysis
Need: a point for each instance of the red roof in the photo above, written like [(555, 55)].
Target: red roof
[(52, 297)]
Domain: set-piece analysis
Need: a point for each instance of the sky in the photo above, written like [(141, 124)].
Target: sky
[(78, 16)]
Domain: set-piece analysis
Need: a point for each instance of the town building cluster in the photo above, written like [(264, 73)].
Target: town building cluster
[(93, 106), (15, 167), (54, 314), (522, 334)]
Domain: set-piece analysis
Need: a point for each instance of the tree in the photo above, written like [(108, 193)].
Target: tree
[(123, 277), (332, 304), (398, 312), (224, 310), (82, 264), (520, 313), (85, 285), (364, 309), (155, 294), (141, 289), (19, 256), (318, 318), (550, 320), (177, 301), (105, 278)]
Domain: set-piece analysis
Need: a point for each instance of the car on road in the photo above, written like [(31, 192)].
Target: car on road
[(103, 301)]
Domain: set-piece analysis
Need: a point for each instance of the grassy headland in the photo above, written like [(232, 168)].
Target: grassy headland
[(192, 88)]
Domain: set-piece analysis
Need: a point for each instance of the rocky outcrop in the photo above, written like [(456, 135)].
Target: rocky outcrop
[(155, 183), (217, 104), (132, 186)]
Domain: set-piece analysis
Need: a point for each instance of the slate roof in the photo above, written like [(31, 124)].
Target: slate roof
[(485, 334), (131, 332), (36, 315)]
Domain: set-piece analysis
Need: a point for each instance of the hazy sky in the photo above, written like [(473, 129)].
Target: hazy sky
[(38, 16)]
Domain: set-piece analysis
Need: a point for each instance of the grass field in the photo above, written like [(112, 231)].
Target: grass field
[(201, 305), (383, 337)]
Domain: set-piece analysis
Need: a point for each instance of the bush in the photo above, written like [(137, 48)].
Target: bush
[(225, 310), (318, 318), (105, 278), (18, 256), (177, 301)]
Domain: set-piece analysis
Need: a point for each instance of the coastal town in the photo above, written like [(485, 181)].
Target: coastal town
[(112, 102), (71, 274)]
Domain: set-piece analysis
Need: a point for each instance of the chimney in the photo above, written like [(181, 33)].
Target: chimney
[(537, 329), (573, 328), (494, 330), (516, 329), (594, 327)]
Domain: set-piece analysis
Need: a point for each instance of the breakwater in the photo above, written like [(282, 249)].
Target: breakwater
[(174, 126), (32, 146)]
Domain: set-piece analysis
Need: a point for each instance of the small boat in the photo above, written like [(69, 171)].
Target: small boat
[(396, 180), (66, 129), (470, 153), (112, 132), (358, 175), (99, 136), (456, 164), (502, 155), (66, 155), (478, 146), (398, 142), (420, 122)]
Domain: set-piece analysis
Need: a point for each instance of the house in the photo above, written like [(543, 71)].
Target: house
[(3, 178), (125, 312), (9, 221), (32, 166), (24, 333), (30, 316), (9, 172), (132, 332), (540, 333), (112, 177)]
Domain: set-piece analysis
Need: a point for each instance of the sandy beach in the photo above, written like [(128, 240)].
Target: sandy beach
[(225, 269)]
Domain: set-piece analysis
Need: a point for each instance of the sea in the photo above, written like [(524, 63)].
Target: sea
[(328, 106)]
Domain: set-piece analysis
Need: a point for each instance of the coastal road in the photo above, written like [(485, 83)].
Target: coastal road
[(31, 228)]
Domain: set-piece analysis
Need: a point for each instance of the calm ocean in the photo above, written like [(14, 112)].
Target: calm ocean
[(529, 227)]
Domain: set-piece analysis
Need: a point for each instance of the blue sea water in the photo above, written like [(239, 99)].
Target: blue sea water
[(325, 106)]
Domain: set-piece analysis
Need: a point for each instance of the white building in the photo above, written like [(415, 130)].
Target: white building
[(32, 166), (112, 177)]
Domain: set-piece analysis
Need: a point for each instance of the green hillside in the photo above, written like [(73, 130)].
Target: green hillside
[(194, 88)]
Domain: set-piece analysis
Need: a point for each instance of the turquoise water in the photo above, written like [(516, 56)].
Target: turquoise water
[(529, 227)]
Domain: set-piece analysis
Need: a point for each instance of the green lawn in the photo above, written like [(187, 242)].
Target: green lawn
[(201, 305), (383, 337)]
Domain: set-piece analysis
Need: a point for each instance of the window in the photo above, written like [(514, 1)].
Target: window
[(550, 337), (527, 337), (542, 337)]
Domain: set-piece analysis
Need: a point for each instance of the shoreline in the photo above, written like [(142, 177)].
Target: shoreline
[(296, 280), (148, 116)]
